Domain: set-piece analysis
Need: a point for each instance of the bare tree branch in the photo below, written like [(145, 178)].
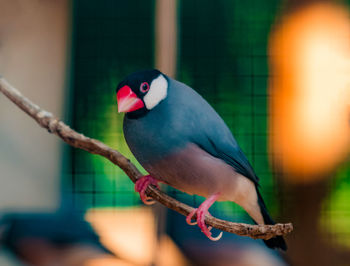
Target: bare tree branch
[(77, 140)]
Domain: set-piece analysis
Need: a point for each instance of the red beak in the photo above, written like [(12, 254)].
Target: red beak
[(128, 101)]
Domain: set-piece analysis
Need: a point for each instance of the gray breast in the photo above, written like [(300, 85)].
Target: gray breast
[(194, 171)]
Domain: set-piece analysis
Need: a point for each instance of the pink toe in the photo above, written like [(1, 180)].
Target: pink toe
[(215, 238), (148, 201), (207, 230), (189, 217), (202, 224), (141, 186)]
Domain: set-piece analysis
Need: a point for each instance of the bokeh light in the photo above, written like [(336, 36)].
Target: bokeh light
[(310, 89)]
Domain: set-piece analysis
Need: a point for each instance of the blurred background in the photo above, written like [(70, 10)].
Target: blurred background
[(278, 72)]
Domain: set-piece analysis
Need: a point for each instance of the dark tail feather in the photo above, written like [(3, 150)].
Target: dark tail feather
[(275, 242)]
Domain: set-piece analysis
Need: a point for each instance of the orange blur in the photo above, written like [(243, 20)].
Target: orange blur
[(310, 88), (130, 233)]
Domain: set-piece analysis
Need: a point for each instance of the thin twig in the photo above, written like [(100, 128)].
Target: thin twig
[(77, 140)]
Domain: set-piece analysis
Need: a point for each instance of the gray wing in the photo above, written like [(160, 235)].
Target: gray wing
[(234, 156), (210, 132), (213, 136), (227, 150)]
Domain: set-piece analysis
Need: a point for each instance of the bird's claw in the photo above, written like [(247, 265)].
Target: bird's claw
[(141, 185), (200, 221), (201, 212)]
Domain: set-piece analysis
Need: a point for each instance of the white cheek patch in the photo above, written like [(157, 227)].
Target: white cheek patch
[(157, 92)]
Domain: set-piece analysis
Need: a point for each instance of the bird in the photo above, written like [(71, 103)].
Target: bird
[(180, 140)]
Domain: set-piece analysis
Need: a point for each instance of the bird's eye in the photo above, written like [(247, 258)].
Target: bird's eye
[(144, 87)]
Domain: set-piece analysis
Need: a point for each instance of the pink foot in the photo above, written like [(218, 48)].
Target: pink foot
[(201, 212), (141, 186)]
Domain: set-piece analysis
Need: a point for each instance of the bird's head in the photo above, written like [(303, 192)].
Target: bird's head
[(141, 91)]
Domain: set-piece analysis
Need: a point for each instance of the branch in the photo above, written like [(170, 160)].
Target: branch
[(77, 140)]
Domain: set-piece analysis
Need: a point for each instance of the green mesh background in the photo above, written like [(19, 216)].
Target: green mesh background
[(221, 53), (110, 39)]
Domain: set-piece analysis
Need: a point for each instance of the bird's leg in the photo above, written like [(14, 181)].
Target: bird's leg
[(201, 212), (141, 185)]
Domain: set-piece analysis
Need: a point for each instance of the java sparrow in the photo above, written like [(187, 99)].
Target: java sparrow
[(181, 141)]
